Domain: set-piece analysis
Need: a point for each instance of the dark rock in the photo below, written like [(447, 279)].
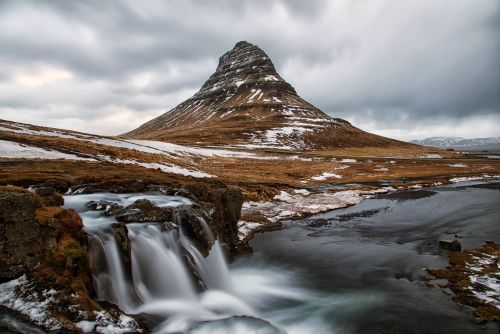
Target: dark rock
[(98, 205), (186, 193), (110, 208), (141, 204), (489, 242), (226, 213), (120, 233), (89, 188), (46, 194), (113, 209), (58, 185), (200, 190), (22, 238), (170, 191), (478, 320), (450, 245), (160, 215), (197, 228), (216, 184)]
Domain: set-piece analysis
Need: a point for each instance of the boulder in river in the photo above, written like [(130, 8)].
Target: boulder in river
[(450, 245)]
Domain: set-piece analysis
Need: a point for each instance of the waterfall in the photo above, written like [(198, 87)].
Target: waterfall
[(169, 276), (167, 269)]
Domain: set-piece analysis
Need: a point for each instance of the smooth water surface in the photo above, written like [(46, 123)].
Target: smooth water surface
[(362, 267)]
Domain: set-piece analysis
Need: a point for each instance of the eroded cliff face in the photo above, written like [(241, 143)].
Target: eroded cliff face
[(222, 208), (45, 266), (24, 233)]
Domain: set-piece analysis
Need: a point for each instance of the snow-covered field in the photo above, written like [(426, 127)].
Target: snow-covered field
[(14, 150)]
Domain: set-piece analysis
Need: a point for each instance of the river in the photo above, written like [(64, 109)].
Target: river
[(354, 270)]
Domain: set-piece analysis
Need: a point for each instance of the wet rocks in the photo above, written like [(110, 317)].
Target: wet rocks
[(226, 213), (142, 204), (219, 206), (214, 214), (157, 215), (120, 233), (98, 205), (171, 191), (196, 228), (84, 189), (450, 245), (110, 208), (143, 210)]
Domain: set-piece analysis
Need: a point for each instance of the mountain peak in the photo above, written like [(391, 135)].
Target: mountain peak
[(245, 67), (245, 102)]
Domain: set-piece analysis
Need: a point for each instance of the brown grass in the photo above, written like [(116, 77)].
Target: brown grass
[(43, 214), (458, 274), (279, 171)]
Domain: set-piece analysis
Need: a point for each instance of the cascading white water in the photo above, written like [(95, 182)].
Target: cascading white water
[(159, 270), (167, 268)]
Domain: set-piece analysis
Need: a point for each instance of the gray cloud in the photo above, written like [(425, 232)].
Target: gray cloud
[(382, 65)]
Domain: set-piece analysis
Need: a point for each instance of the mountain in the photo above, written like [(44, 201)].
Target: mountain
[(490, 143), (246, 103)]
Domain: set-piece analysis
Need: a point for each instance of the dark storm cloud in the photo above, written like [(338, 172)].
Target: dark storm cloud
[(381, 63)]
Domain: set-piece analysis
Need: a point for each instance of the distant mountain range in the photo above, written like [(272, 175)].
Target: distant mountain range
[(490, 143)]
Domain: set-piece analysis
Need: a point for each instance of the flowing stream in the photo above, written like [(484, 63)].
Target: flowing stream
[(172, 281), (354, 270)]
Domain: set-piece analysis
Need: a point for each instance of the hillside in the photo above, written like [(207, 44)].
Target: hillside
[(246, 103)]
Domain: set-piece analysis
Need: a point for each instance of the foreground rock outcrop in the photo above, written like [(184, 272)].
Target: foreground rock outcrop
[(45, 266)]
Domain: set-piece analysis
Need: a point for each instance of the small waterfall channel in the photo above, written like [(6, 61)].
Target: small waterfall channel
[(169, 277)]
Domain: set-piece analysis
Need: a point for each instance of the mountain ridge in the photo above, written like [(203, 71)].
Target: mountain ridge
[(245, 102), (491, 143)]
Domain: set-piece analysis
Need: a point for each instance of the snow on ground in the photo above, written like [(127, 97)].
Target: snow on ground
[(147, 146), (431, 156), (160, 147), (458, 165), (106, 325), (325, 176), (258, 146), (15, 150), (20, 295), (286, 205), (33, 305), (383, 169), (301, 191), (480, 276), (349, 160), (167, 169), (474, 178), (244, 228)]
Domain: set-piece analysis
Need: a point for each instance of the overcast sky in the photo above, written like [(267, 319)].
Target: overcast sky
[(402, 69)]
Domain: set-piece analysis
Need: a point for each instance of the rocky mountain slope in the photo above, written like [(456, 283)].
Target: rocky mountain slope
[(246, 103), (490, 143)]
